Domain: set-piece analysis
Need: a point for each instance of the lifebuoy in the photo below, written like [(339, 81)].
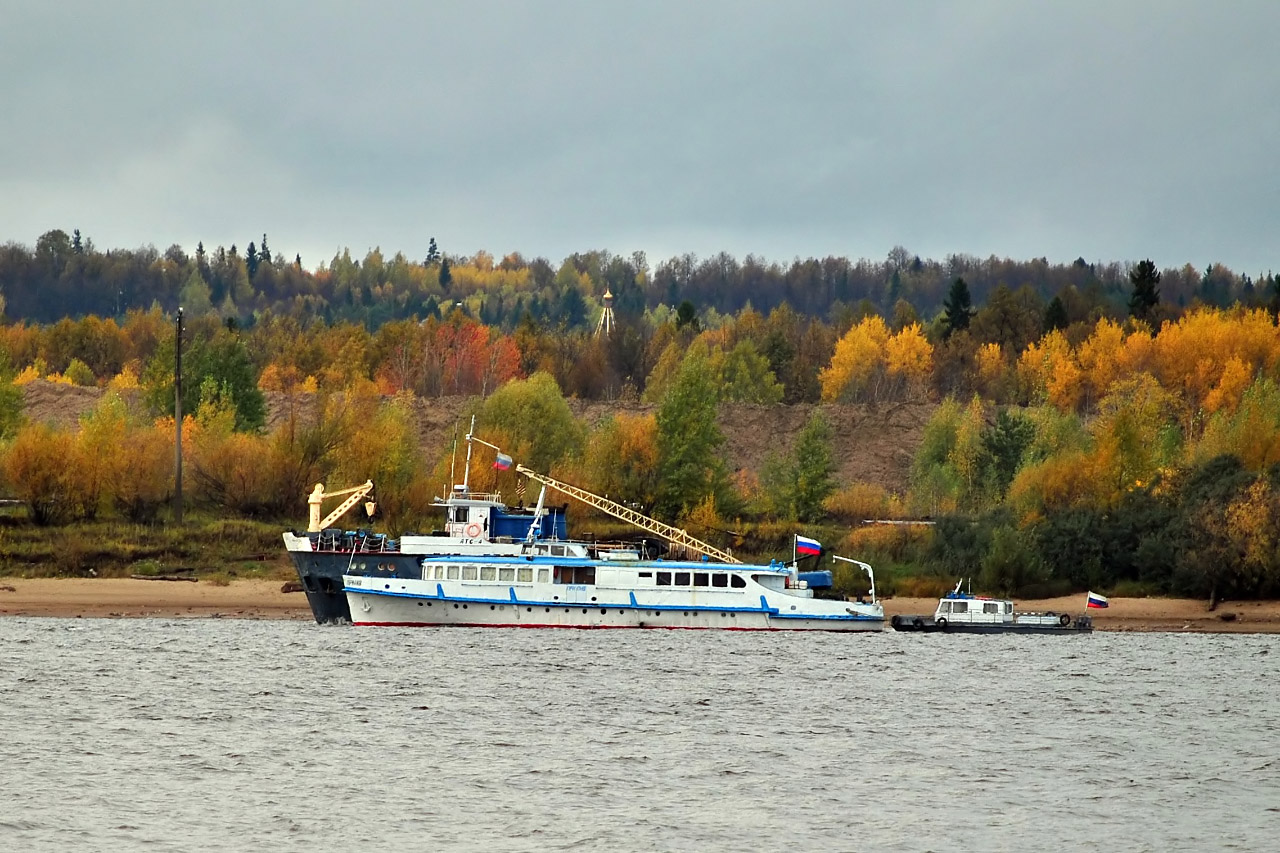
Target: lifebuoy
[(473, 530), (1064, 620)]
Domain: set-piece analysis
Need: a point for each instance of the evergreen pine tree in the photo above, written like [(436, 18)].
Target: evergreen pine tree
[(251, 260), (1055, 315), (958, 308), (446, 277), (1146, 295)]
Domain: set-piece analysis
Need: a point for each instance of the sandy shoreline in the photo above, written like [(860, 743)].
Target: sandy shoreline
[(263, 599)]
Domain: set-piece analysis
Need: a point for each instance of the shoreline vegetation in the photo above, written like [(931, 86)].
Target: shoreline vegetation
[(71, 598)]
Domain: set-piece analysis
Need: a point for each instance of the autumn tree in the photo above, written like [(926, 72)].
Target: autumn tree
[(1134, 432), (221, 357), (12, 400), (384, 447), (142, 478), (35, 466), (1010, 318), (534, 416), (798, 484), (858, 360), (747, 378), (622, 459), (934, 483), (91, 472), (909, 358), (688, 439)]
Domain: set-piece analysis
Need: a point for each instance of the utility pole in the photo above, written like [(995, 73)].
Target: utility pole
[(177, 421)]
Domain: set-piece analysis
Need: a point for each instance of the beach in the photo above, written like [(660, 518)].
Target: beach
[(266, 599)]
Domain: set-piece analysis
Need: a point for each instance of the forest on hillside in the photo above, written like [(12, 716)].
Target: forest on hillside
[(1109, 426)]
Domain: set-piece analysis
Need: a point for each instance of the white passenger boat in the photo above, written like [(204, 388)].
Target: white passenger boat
[(574, 589)]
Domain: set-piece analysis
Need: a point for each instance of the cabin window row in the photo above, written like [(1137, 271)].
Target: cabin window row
[(715, 580), (504, 574), (987, 607)]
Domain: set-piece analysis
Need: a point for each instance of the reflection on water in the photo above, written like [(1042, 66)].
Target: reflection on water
[(220, 735)]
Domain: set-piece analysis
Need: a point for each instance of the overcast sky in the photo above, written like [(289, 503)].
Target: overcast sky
[(1113, 130)]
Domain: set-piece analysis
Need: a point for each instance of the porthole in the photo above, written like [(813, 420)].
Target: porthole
[(464, 607), (528, 610), (584, 610), (492, 607), (593, 598), (603, 611), (419, 603), (455, 607)]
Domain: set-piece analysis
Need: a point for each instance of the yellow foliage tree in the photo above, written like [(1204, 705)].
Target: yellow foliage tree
[(966, 454), (125, 380), (1236, 377), (1056, 484), (909, 355), (991, 369), (1251, 432), (1252, 521), (91, 472), (858, 356), (142, 478), (622, 459), (1130, 430), (1066, 384), (35, 466), (1100, 358), (30, 373)]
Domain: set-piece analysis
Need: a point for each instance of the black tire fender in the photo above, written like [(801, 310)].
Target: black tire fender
[(941, 622), (917, 622), (1064, 620), (895, 621)]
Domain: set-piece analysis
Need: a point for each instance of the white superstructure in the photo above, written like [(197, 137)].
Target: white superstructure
[(618, 591)]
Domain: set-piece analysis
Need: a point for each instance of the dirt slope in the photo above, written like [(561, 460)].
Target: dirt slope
[(873, 444)]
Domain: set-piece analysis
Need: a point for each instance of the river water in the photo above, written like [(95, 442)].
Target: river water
[(209, 734)]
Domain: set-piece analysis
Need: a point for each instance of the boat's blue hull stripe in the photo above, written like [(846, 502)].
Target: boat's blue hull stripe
[(772, 612)]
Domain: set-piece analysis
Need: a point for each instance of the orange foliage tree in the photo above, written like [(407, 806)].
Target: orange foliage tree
[(35, 466)]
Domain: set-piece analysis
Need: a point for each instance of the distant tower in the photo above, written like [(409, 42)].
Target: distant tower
[(605, 326)]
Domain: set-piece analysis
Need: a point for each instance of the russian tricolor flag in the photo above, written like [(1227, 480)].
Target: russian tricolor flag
[(1096, 600), (503, 462), (805, 545)]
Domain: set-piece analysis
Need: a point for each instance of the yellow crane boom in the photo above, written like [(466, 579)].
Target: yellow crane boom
[(354, 495), (672, 534)]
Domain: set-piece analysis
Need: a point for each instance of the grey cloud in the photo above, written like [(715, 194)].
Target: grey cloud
[(1112, 131)]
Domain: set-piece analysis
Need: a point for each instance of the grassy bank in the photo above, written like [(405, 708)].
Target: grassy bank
[(210, 548)]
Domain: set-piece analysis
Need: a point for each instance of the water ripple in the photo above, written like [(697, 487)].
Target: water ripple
[(225, 735)]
